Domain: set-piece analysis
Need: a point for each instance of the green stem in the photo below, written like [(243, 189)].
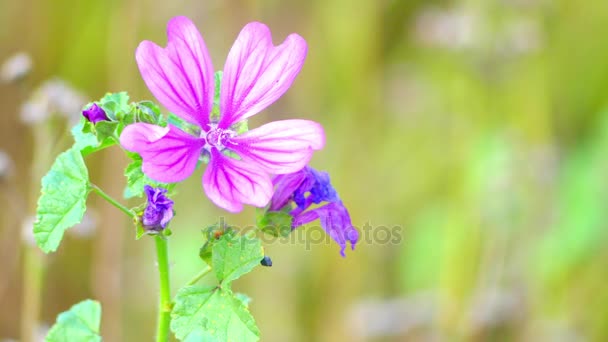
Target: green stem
[(199, 276), (32, 291), (112, 201), (164, 303)]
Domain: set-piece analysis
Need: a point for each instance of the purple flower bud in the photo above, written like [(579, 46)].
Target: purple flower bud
[(95, 114), (159, 210), (305, 188)]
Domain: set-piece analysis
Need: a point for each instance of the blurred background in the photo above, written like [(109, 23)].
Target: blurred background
[(469, 139)]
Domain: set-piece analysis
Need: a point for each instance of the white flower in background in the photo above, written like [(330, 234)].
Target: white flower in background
[(16, 67), (54, 96)]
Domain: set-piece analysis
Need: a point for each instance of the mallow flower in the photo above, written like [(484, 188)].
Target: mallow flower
[(256, 74), (159, 209), (297, 192)]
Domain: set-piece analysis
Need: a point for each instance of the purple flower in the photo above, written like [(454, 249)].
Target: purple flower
[(95, 114), (255, 75), (159, 210), (305, 188)]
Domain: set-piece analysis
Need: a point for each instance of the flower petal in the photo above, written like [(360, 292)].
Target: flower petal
[(169, 154), (285, 185), (281, 146), (335, 220), (257, 73), (230, 182), (180, 76)]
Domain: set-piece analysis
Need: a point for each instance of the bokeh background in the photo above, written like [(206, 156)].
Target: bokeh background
[(475, 132)]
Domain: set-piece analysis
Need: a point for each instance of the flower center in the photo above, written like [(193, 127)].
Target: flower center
[(217, 137)]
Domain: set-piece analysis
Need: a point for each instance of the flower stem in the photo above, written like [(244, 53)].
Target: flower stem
[(199, 276), (112, 201), (164, 303), (32, 291)]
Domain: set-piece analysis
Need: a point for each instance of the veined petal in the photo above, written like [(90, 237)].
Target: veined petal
[(257, 73), (230, 183), (180, 76), (335, 220), (169, 154), (281, 146), (285, 185)]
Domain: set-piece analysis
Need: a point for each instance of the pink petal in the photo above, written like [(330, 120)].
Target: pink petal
[(230, 182), (257, 73), (281, 146), (169, 154), (181, 75)]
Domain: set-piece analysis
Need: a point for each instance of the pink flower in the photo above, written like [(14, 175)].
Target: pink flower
[(255, 75)]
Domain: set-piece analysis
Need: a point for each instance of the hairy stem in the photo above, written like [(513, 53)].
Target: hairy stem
[(164, 302), (112, 201)]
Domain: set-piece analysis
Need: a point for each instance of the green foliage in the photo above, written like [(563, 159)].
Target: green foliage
[(86, 141), (234, 256), (116, 105), (80, 323), (275, 223), (212, 235), (63, 199), (214, 309)]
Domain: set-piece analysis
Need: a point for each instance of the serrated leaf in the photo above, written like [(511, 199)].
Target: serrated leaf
[(115, 105), (245, 299), (62, 202), (214, 310), (105, 130), (275, 223), (80, 323), (234, 256), (149, 112), (85, 141), (212, 235)]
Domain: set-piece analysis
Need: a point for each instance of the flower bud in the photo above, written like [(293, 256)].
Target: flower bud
[(95, 114), (159, 210)]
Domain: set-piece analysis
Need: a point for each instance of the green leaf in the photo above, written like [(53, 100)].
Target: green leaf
[(212, 234), (149, 112), (275, 223), (214, 310), (80, 323), (245, 299), (116, 105), (234, 256), (62, 202), (86, 141), (199, 335), (105, 130)]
